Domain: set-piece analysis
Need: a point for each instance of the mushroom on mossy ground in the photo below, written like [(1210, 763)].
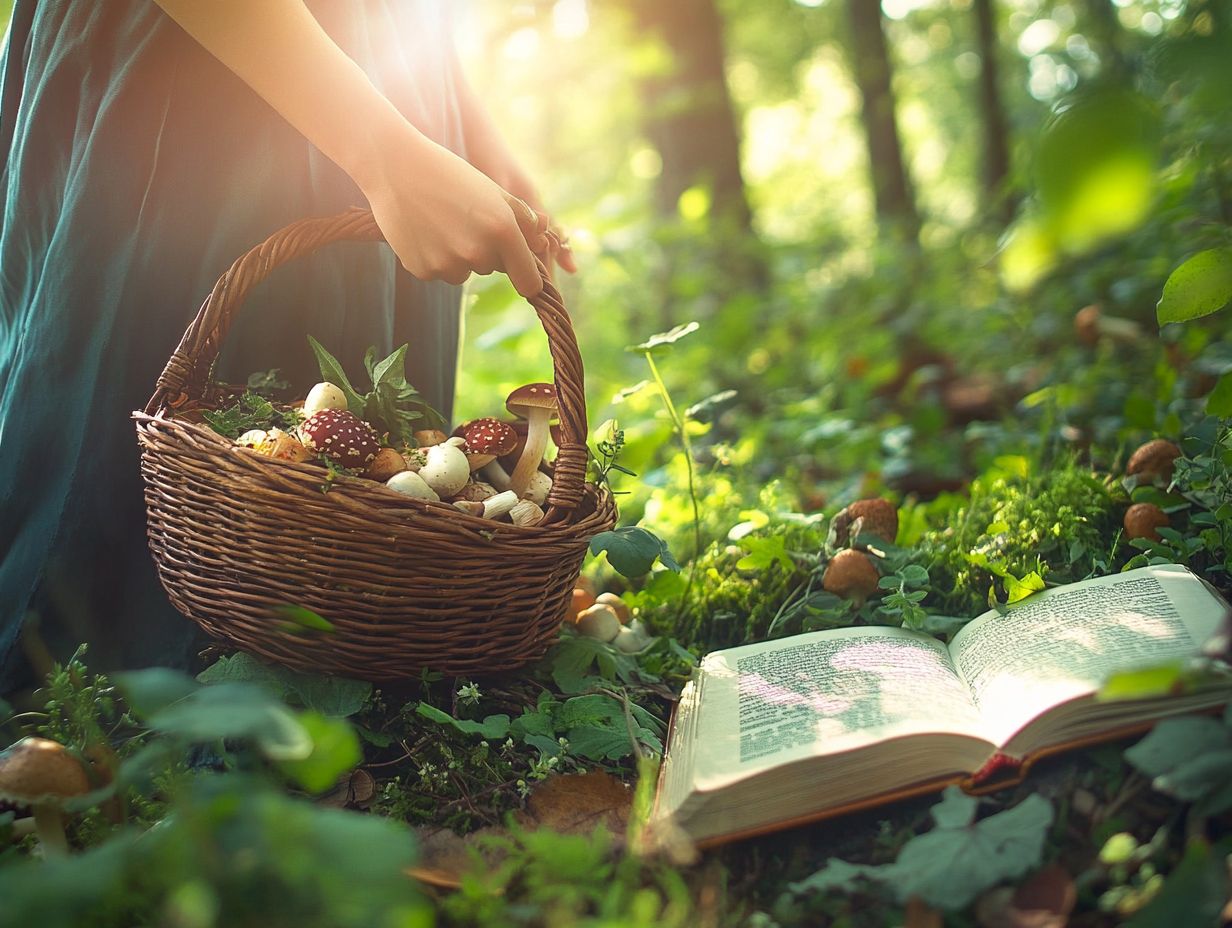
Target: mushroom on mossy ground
[(1153, 461), (875, 516), (42, 776), (851, 575), (1143, 520)]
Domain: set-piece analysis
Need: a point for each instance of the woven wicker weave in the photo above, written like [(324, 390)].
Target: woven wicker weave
[(407, 584)]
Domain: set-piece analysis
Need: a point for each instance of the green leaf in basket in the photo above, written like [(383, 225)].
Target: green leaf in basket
[(301, 617), (332, 372), (633, 550)]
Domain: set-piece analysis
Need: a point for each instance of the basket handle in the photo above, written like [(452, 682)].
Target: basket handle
[(187, 372)]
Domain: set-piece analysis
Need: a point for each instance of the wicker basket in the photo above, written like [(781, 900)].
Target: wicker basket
[(407, 584)]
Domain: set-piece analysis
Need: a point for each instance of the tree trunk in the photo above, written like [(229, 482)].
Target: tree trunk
[(689, 118), (998, 201), (871, 67)]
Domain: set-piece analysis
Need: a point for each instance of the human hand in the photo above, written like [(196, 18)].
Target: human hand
[(445, 219)]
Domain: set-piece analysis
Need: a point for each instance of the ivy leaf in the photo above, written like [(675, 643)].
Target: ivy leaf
[(491, 728), (1016, 590), (570, 663), (597, 728), (663, 342), (632, 551), (1189, 758), (1200, 286), (335, 697), (765, 552), (951, 865)]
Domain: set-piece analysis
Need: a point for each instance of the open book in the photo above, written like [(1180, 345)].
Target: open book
[(774, 734)]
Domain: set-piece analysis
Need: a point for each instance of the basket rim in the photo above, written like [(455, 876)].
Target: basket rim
[(395, 506)]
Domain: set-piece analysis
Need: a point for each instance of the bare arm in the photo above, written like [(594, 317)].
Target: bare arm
[(442, 217)]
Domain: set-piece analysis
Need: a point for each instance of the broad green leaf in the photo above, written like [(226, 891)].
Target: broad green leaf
[(395, 364), (764, 553), (951, 865), (1096, 166), (1144, 683), (1200, 286), (1189, 758), (1017, 589), (336, 697), (662, 342), (491, 728), (632, 551), (154, 689), (1219, 403), (302, 617), (1195, 892), (335, 750), (332, 372), (235, 710)]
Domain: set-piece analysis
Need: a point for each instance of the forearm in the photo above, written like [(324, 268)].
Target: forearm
[(279, 49)]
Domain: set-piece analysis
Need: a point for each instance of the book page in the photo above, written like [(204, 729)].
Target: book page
[(1063, 643), (768, 704)]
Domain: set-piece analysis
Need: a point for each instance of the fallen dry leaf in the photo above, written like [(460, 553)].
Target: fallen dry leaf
[(919, 914), (577, 803), (574, 803)]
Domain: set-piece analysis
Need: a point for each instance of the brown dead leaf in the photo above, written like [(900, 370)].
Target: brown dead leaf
[(919, 914), (1044, 901), (574, 803), (444, 856), (577, 803)]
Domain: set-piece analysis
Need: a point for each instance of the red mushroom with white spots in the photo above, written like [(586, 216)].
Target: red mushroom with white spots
[(536, 403), (340, 436), (486, 440)]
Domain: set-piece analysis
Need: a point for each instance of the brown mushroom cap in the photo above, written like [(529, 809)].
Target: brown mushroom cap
[(1154, 461), (532, 396), (1086, 324), (851, 575), (1143, 519), (35, 770), (879, 518)]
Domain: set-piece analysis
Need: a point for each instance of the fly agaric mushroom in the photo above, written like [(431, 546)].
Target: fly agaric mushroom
[(876, 516), (1153, 461), (1142, 520), (486, 440), (851, 575), (340, 436), (43, 775), (446, 469), (536, 403), (386, 463), (324, 396)]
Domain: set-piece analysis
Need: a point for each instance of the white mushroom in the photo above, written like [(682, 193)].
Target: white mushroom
[(253, 438), (524, 512), (410, 483), (630, 640), (538, 489), (598, 622), (496, 506), (324, 396), (446, 469)]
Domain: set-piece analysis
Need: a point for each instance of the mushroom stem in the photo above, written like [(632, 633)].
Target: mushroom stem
[(50, 827), (495, 475), (536, 443)]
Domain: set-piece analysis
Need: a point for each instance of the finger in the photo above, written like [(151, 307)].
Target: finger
[(518, 261), (532, 223), (566, 260)]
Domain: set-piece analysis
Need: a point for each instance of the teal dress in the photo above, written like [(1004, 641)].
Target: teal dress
[(137, 168)]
